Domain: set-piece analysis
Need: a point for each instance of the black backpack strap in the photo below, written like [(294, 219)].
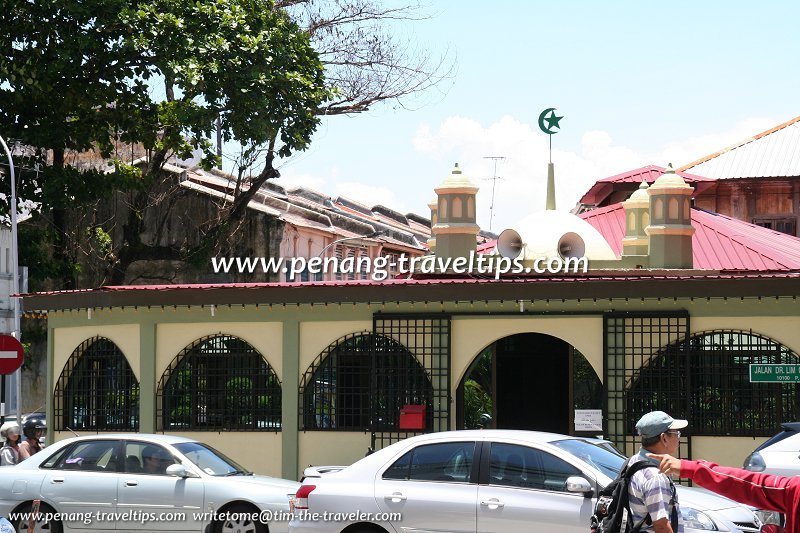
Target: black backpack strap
[(631, 469)]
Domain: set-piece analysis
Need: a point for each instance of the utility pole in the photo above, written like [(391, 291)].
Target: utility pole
[(14, 275), (494, 179)]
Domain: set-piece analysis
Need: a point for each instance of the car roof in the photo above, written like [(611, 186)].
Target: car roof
[(150, 437), (518, 434)]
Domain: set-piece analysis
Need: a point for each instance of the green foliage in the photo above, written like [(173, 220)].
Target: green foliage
[(478, 390), (477, 402), (77, 75)]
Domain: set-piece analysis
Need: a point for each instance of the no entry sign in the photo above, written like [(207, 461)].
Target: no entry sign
[(11, 354)]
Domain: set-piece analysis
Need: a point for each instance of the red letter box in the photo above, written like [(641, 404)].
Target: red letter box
[(412, 417)]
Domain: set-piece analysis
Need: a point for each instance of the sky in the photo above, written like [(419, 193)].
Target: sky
[(637, 83)]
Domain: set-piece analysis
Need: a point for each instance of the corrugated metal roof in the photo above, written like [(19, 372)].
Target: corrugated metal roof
[(604, 187), (605, 276), (774, 153), (719, 242)]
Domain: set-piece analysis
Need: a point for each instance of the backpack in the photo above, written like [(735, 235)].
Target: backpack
[(612, 511)]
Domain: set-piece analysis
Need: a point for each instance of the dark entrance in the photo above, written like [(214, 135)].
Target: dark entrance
[(528, 381), (532, 383)]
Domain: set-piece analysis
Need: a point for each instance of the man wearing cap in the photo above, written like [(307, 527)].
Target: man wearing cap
[(651, 493)]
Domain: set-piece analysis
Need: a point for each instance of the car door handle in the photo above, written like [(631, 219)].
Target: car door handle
[(395, 497), (56, 480), (493, 503), (131, 483)]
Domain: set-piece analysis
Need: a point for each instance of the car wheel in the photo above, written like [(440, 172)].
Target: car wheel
[(240, 519), (40, 524)]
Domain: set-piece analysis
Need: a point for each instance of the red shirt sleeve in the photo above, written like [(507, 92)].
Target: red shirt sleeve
[(765, 491)]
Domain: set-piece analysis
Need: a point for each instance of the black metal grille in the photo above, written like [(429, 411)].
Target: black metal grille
[(721, 399), (657, 342), (358, 382), (97, 389), (428, 338), (218, 383)]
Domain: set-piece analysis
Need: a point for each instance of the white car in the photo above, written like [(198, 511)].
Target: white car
[(137, 482), (484, 480), (779, 455)]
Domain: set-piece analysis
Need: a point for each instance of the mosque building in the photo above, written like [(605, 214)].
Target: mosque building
[(648, 303)]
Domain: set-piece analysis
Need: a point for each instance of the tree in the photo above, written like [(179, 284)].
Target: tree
[(159, 77)]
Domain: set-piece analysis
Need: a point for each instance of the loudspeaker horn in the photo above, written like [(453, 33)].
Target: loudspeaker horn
[(571, 245), (509, 244)]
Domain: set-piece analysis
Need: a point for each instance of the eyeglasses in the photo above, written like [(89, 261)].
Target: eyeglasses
[(676, 434)]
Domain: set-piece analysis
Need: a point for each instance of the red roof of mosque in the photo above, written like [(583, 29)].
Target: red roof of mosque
[(604, 187), (719, 243)]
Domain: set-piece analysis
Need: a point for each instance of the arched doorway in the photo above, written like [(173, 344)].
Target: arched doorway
[(528, 381)]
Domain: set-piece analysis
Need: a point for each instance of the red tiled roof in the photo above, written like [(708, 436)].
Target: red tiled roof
[(604, 187), (719, 242)]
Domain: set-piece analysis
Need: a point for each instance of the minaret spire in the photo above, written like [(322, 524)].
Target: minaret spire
[(552, 122)]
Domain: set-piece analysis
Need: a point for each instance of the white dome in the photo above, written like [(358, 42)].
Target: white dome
[(542, 235)]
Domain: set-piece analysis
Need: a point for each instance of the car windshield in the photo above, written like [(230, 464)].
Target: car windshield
[(600, 455), (210, 460)]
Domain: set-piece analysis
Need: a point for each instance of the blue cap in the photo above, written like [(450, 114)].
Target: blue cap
[(655, 423)]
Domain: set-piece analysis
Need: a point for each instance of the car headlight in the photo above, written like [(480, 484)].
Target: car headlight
[(755, 463), (768, 517), (697, 519)]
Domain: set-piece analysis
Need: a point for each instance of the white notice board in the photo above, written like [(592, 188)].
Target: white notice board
[(588, 420)]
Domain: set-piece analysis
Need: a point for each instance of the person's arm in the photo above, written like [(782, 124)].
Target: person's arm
[(24, 451), (662, 525), (766, 491), (7, 456)]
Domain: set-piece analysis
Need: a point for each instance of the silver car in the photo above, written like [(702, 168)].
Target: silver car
[(137, 482), (779, 455), (480, 481)]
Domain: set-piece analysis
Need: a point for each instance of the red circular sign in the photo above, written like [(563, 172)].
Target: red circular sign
[(11, 354)]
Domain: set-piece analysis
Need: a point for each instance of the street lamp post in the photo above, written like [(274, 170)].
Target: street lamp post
[(14, 274), (372, 235)]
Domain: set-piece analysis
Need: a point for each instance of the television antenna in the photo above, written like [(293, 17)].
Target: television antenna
[(494, 178)]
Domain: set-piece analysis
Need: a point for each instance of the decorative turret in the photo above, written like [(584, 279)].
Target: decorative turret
[(434, 207), (670, 228), (637, 218), (455, 227)]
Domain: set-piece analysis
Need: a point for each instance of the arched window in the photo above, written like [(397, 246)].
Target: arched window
[(707, 380), (361, 382), (673, 209), (458, 208), (97, 390), (219, 383)]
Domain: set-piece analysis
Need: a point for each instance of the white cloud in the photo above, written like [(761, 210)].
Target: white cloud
[(689, 150)]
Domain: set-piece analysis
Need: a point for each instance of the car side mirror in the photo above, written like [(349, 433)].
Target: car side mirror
[(178, 470), (578, 484)]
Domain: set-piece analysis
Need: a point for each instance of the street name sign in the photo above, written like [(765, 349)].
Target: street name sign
[(774, 373), (11, 354)]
